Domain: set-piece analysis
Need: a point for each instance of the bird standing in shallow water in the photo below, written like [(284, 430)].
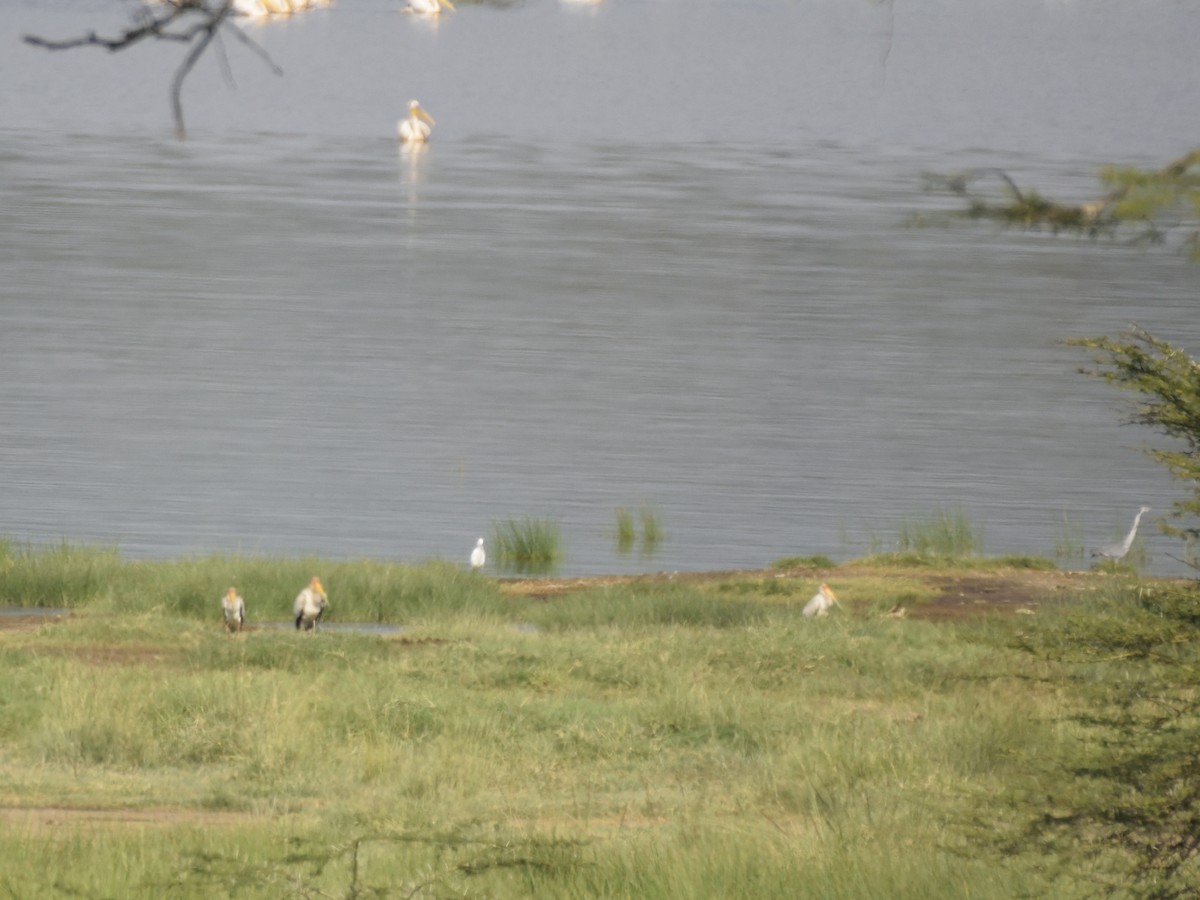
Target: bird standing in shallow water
[(310, 606), (822, 601), (1117, 552), (478, 557), (233, 608), (417, 127)]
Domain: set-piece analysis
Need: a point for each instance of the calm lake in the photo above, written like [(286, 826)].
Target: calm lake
[(659, 252)]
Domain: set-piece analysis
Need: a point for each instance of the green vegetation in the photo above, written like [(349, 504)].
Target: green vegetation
[(945, 534), (817, 561), (1148, 202), (652, 737), (1132, 659), (1168, 382), (1068, 545), (626, 530), (652, 533), (96, 578), (527, 545)]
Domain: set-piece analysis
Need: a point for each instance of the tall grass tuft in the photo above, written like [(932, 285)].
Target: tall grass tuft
[(626, 530), (946, 534), (527, 545), (652, 533), (1068, 541)]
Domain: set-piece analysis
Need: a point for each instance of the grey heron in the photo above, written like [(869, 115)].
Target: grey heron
[(233, 608), (310, 606), (478, 557), (822, 601), (1117, 552)]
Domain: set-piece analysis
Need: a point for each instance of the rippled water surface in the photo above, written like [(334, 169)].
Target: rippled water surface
[(660, 252)]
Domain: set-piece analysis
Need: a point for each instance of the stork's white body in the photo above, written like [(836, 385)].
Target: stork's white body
[(478, 557), (233, 608), (310, 606), (820, 604)]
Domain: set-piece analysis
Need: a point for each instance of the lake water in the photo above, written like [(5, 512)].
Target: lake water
[(659, 252)]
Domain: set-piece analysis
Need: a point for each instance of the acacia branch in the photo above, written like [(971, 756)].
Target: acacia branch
[(203, 20)]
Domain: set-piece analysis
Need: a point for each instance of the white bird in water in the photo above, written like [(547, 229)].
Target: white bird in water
[(310, 606), (478, 557), (1117, 551), (428, 7), (233, 608), (822, 601), (417, 127)]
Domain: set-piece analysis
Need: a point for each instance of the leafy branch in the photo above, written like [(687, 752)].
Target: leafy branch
[(1168, 380), (1138, 197)]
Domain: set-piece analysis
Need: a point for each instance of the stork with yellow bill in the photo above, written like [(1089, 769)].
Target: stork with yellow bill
[(310, 606)]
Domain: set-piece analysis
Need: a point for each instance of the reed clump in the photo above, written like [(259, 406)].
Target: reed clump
[(528, 545)]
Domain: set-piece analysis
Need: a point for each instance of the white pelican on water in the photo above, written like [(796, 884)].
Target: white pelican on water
[(428, 7), (233, 608), (822, 601), (310, 606), (416, 128), (478, 557)]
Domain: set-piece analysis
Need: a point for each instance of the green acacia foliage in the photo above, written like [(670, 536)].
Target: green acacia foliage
[(1141, 195), (1168, 382), (1143, 202), (1128, 787)]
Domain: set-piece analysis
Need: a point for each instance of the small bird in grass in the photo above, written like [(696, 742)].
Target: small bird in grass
[(233, 608), (417, 127), (822, 601), (310, 606), (1117, 552), (478, 557)]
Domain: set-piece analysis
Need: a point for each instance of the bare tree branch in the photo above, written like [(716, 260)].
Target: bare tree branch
[(195, 22)]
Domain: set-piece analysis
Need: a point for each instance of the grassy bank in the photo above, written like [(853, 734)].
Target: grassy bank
[(649, 738)]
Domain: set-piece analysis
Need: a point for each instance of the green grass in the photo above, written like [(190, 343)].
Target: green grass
[(657, 738), (527, 545), (944, 534), (818, 561), (626, 530), (1068, 544), (652, 530)]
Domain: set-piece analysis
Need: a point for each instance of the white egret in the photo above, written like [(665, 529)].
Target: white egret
[(417, 127), (822, 601), (310, 606), (428, 7), (233, 608), (1117, 551), (478, 557)]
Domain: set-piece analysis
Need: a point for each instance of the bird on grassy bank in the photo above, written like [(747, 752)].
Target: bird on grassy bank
[(428, 7), (1117, 552), (822, 601), (478, 557), (310, 606), (417, 127), (233, 608)]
